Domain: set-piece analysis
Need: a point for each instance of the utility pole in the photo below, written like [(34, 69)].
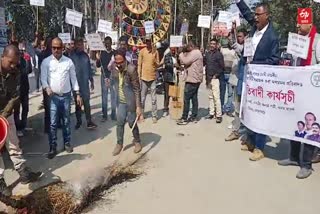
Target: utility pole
[(73, 27), (175, 17)]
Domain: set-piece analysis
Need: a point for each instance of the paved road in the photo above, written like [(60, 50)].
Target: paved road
[(200, 173)]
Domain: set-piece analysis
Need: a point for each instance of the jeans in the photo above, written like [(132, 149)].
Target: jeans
[(37, 77), (302, 153), (222, 90), (105, 93), (60, 105), (21, 124), (166, 96), (190, 94), (87, 109), (229, 107), (145, 85), (214, 98), (258, 140), (123, 115)]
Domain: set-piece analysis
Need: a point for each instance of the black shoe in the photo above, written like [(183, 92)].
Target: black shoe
[(219, 120), (182, 122), (209, 117), (68, 148), (4, 188), (26, 176), (91, 125), (52, 152), (78, 125), (193, 120), (113, 115)]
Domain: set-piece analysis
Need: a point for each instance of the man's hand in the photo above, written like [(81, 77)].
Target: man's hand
[(98, 55), (107, 82), (49, 91), (139, 114), (79, 100)]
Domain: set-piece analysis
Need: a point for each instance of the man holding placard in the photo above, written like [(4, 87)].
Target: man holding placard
[(264, 49), (302, 154)]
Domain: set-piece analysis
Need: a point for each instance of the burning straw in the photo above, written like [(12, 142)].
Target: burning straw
[(67, 197)]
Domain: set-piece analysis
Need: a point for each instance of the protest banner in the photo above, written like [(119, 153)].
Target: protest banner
[(225, 16), (65, 37), (305, 16), (204, 21), (298, 45), (73, 18), (104, 26), (149, 27), (37, 3), (94, 42), (176, 41), (281, 101)]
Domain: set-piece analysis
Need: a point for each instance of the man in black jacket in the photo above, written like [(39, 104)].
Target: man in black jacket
[(265, 51), (214, 63)]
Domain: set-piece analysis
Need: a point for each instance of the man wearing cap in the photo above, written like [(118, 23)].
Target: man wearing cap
[(9, 98), (302, 154), (148, 61)]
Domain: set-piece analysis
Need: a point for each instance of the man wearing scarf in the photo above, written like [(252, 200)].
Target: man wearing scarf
[(302, 154)]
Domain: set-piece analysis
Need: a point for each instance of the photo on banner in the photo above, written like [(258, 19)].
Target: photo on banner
[(284, 98), (40, 3)]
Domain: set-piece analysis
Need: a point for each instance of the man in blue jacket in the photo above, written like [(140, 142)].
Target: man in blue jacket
[(84, 76), (265, 51)]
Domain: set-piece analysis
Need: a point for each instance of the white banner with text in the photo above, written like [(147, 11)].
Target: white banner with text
[(282, 101)]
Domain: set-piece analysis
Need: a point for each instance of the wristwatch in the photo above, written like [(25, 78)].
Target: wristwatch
[(77, 92)]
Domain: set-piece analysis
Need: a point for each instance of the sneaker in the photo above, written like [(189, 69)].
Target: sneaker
[(219, 120), (257, 155), (137, 147), (68, 148), (193, 120), (288, 162), (165, 113), (78, 125), (91, 125), (27, 176), (154, 120), (230, 114), (20, 134), (117, 150), (233, 136), (52, 152), (4, 188), (304, 173), (316, 158), (182, 122)]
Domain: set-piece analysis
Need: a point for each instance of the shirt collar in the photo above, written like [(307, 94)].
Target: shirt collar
[(53, 57), (263, 30)]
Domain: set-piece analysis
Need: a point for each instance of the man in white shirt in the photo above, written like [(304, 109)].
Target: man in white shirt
[(58, 78), (265, 44)]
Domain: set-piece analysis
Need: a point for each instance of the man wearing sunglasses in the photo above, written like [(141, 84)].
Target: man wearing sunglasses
[(265, 45), (58, 78)]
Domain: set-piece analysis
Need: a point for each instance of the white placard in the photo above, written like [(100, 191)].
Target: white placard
[(317, 1), (236, 18), (94, 42), (37, 3), (298, 45), (65, 37), (281, 101), (204, 21), (248, 47), (225, 16), (74, 17), (149, 27), (104, 26), (176, 41), (114, 36)]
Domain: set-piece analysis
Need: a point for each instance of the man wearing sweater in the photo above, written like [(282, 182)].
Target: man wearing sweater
[(192, 60)]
